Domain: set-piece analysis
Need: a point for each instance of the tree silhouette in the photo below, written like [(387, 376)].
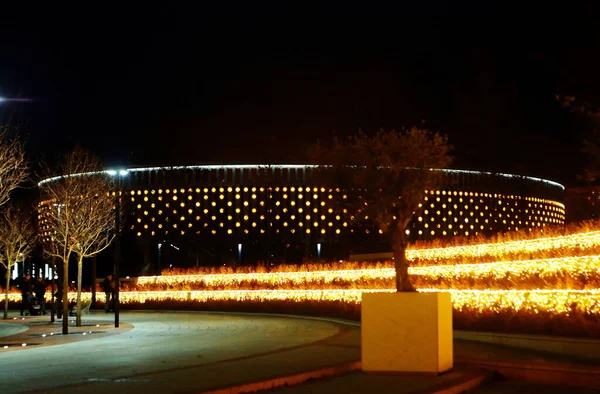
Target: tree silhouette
[(13, 167), (384, 178), (17, 237), (79, 212)]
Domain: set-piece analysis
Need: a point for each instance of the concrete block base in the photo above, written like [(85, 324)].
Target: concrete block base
[(407, 332)]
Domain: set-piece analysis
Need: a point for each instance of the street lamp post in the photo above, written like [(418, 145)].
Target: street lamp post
[(117, 251), (65, 274)]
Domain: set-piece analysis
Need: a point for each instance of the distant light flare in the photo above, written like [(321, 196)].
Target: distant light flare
[(17, 100)]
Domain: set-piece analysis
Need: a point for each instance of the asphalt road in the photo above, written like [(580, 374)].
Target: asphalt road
[(178, 353)]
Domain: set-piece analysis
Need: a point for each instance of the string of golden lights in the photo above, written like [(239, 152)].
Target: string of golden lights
[(576, 241), (553, 301), (566, 245), (586, 267)]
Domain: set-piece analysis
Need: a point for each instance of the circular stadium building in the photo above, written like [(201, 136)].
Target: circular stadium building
[(247, 214)]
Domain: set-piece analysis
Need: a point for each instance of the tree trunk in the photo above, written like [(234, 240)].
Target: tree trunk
[(79, 276), (65, 297), (94, 264), (6, 294), (398, 243)]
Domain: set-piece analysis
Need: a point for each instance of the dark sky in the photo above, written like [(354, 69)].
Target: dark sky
[(258, 82)]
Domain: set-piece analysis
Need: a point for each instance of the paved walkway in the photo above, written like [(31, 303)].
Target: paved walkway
[(178, 353), (36, 332), (187, 352), (8, 329)]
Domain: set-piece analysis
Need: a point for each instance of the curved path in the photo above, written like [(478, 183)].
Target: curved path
[(9, 329), (183, 352)]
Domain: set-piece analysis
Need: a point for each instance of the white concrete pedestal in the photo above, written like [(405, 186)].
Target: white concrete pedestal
[(407, 332)]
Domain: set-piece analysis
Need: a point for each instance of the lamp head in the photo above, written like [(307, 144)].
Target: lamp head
[(117, 172)]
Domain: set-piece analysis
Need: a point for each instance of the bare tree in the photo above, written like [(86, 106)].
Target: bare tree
[(79, 212), (384, 179), (97, 231), (17, 237), (13, 167)]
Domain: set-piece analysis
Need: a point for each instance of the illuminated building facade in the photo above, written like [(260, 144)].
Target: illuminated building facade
[(226, 213)]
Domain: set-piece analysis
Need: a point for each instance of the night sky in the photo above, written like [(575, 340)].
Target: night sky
[(257, 82)]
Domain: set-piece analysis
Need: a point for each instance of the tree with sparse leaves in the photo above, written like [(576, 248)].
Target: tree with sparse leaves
[(384, 178), (80, 216), (13, 167), (17, 237)]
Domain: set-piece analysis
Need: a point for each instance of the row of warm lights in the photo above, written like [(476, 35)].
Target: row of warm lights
[(237, 189), (504, 204), (580, 266), (549, 208), (543, 203), (553, 301), (454, 227), (579, 241), (466, 194), (546, 209), (585, 266), (245, 221), (308, 189), (327, 213)]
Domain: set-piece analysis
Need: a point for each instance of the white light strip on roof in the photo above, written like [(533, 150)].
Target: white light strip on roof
[(289, 166), (510, 176), (56, 178), (223, 167)]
